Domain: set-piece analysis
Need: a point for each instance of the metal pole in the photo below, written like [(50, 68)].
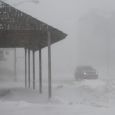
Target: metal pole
[(40, 71), (28, 68), (25, 68), (49, 65), (33, 69), (15, 73)]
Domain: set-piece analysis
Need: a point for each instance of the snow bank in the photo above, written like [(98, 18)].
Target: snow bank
[(94, 84), (17, 108), (75, 98)]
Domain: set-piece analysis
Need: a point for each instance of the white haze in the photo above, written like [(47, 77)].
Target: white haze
[(75, 49)]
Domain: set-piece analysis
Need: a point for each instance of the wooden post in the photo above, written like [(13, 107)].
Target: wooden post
[(49, 66), (28, 68), (33, 69), (15, 73), (40, 71), (25, 68)]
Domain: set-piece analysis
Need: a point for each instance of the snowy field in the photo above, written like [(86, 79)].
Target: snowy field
[(93, 97)]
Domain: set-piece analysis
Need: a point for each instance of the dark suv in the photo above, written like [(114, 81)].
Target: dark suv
[(85, 72)]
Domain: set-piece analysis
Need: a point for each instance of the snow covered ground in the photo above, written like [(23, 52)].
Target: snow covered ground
[(88, 97)]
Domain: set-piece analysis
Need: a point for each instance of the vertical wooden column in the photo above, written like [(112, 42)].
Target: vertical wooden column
[(49, 66), (33, 69), (15, 73), (28, 68), (25, 68), (40, 71)]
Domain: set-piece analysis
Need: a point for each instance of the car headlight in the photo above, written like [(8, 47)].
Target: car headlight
[(84, 73)]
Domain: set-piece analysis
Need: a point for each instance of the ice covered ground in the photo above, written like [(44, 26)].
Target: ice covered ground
[(94, 97)]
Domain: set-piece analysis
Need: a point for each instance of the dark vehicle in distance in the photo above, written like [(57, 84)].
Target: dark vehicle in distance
[(85, 72)]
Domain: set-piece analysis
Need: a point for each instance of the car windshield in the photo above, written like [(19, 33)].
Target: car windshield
[(85, 68)]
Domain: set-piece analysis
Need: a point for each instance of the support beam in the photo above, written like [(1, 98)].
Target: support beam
[(25, 68), (49, 66), (33, 69), (15, 72), (40, 71), (28, 68)]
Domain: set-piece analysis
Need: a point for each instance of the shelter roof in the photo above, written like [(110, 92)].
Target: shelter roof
[(18, 29)]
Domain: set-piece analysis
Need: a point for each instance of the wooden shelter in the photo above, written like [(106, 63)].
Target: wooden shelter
[(20, 30)]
